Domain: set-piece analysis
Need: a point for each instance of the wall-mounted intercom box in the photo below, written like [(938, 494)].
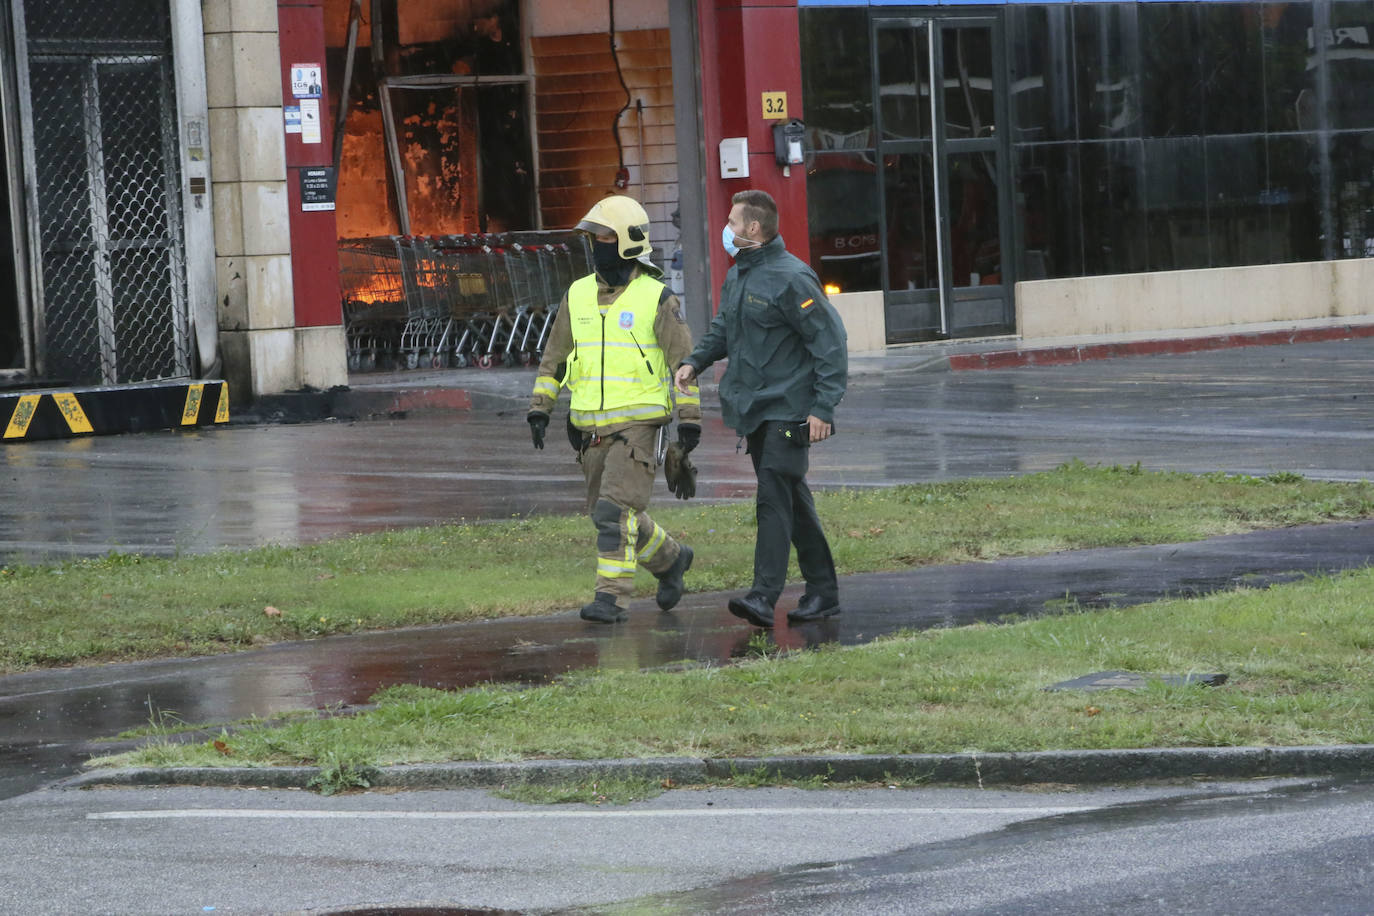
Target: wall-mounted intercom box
[(734, 157)]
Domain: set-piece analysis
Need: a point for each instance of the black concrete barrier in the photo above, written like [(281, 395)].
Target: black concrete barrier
[(65, 413)]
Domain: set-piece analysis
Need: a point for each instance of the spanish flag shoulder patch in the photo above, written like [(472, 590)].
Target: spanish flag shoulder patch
[(807, 304)]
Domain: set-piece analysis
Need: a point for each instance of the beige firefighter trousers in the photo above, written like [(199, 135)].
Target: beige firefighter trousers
[(620, 471)]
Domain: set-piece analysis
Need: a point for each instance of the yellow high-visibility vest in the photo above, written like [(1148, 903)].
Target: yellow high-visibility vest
[(616, 372)]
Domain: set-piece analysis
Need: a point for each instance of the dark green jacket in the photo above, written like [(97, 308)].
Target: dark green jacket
[(786, 344)]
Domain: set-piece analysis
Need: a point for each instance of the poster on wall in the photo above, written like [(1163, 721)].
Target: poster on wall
[(306, 81), (317, 189), (310, 120)]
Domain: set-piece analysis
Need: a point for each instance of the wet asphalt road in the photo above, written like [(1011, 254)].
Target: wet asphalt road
[(1307, 408), (1251, 847)]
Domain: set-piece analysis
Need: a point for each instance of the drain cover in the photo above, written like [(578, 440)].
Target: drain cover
[(1131, 680)]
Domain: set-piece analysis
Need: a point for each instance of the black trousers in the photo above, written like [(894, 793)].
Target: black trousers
[(786, 514)]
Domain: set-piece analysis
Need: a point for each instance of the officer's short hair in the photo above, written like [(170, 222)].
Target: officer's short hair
[(759, 207)]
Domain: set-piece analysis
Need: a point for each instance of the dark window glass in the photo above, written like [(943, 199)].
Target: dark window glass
[(1289, 94), (1176, 202), (1352, 191), (507, 170), (904, 83), (1171, 69), (1051, 226), (1113, 212), (1294, 191), (1107, 67), (842, 212), (1234, 62), (1040, 48), (912, 259), (1237, 203), (1350, 64), (98, 23), (446, 133), (968, 82), (480, 40), (836, 78), (975, 251)]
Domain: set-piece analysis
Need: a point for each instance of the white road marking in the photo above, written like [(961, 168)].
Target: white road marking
[(302, 814)]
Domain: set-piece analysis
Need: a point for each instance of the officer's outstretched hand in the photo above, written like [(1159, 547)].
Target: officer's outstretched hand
[(684, 377), (538, 423), (689, 436)]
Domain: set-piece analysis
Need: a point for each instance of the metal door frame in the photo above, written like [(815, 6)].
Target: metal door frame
[(190, 227), (933, 22), (11, 128)]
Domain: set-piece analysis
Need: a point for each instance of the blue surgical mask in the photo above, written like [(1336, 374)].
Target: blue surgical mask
[(727, 238)]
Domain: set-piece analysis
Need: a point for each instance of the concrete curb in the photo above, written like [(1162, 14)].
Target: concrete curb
[(969, 769)]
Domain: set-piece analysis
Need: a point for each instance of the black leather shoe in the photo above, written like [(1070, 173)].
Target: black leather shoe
[(754, 608), (670, 583), (814, 607), (604, 610)]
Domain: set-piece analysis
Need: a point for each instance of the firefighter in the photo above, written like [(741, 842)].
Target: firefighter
[(616, 333)]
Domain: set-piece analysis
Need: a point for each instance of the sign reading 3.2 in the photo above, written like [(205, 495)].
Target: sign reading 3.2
[(775, 105)]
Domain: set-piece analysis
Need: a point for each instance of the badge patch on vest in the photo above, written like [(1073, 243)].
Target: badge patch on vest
[(627, 320)]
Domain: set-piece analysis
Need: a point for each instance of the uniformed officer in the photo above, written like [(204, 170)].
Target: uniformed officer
[(787, 372), (617, 332)]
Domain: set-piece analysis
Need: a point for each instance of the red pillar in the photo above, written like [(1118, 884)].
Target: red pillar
[(314, 235), (748, 48)]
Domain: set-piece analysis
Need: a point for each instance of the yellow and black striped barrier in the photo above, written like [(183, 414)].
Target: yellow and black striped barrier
[(67, 413)]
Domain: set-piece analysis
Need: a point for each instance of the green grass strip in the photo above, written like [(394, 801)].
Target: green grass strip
[(1298, 656), (124, 606)]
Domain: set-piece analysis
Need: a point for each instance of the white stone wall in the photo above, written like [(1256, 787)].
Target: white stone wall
[(1169, 302), (262, 349), (248, 182), (864, 322)]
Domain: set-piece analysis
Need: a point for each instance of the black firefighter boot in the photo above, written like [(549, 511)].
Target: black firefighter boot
[(603, 609), (670, 580)]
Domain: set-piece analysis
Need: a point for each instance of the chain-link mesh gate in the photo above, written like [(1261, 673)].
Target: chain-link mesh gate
[(106, 167)]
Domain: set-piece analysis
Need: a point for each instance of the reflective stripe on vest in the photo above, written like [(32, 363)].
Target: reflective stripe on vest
[(616, 373)]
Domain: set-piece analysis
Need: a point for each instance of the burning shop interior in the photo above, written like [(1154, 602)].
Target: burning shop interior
[(469, 135)]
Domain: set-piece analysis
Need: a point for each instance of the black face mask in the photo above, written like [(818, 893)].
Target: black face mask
[(612, 268)]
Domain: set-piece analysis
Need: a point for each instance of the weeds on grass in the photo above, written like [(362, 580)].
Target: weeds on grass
[(342, 772), (163, 723), (599, 790), (761, 776)]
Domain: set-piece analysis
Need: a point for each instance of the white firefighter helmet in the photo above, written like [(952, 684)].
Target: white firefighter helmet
[(626, 218)]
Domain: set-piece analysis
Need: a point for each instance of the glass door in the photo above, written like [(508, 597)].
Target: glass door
[(944, 191)]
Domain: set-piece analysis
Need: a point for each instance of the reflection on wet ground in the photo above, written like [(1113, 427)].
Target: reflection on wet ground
[(48, 716), (1302, 408)]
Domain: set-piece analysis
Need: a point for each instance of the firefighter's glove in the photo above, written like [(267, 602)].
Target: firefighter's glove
[(576, 438), (688, 436), (679, 472), (538, 423)]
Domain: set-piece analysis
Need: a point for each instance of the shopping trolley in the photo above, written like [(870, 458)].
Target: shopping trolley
[(426, 334), (372, 281)]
